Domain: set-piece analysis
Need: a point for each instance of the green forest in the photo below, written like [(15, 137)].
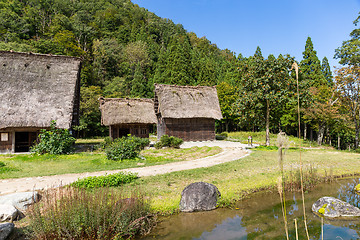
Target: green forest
[(125, 49)]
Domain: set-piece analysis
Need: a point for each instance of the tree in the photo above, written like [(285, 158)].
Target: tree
[(326, 70), (311, 76), (348, 82), (264, 89), (227, 97), (323, 110), (349, 52)]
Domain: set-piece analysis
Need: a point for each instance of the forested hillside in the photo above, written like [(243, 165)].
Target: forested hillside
[(126, 49)]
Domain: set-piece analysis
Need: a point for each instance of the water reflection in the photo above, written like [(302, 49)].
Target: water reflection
[(261, 218)]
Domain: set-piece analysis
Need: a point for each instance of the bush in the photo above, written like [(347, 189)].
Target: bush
[(220, 137), (112, 180), (126, 148), (267, 148), (2, 164), (72, 213), (54, 141), (166, 141)]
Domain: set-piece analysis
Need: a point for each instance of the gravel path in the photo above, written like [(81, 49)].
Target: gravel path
[(231, 151)]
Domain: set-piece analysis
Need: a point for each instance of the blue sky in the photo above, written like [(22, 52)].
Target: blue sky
[(277, 26)]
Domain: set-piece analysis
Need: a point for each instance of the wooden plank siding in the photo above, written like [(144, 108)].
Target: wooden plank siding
[(6, 146), (188, 129), (138, 130)]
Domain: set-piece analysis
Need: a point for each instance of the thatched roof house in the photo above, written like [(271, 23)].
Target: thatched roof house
[(36, 89), (188, 112), (127, 116)]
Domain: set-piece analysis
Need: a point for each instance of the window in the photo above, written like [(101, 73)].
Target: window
[(4, 137)]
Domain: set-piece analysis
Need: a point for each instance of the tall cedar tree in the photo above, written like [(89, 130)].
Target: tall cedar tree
[(311, 76), (325, 68)]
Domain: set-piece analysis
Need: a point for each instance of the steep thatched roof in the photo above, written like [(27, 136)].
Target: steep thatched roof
[(37, 88), (125, 110), (187, 101)]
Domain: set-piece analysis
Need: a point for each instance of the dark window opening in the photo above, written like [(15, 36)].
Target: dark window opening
[(24, 140), (123, 132)]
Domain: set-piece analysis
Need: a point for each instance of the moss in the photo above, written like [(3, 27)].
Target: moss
[(322, 210)]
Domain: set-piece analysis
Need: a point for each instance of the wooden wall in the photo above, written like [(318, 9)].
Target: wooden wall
[(188, 129), (6, 146), (138, 130)]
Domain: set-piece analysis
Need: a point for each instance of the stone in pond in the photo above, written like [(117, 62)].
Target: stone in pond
[(8, 212), (333, 208), (5, 230), (21, 200), (199, 196)]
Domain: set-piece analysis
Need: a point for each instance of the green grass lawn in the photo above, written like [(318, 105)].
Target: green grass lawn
[(259, 138), (28, 165), (238, 178)]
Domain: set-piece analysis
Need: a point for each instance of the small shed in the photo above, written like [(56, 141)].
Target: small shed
[(125, 116), (34, 90), (187, 112)]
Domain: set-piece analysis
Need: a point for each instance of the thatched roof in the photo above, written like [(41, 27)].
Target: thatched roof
[(187, 101), (127, 110), (37, 88)]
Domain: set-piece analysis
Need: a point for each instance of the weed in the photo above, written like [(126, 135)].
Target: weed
[(112, 180), (71, 213)]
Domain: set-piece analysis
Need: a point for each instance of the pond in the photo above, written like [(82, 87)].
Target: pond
[(260, 217)]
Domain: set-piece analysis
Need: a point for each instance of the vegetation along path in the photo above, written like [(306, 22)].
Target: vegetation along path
[(231, 151)]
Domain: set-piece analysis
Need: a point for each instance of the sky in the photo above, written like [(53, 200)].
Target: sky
[(276, 26)]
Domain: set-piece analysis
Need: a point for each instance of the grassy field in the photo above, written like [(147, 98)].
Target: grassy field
[(259, 138), (28, 165), (237, 179)]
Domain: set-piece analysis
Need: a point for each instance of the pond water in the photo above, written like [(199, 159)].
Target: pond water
[(260, 217)]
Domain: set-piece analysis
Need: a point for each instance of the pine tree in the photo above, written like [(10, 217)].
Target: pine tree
[(310, 66), (179, 68), (325, 68)]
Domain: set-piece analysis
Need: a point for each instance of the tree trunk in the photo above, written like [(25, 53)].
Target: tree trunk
[(311, 135), (305, 130), (227, 126), (267, 123), (356, 134), (338, 141), (320, 133)]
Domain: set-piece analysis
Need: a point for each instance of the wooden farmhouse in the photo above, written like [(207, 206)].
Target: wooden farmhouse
[(127, 116), (34, 90), (186, 112)]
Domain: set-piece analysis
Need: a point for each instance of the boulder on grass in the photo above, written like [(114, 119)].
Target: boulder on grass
[(5, 230), (333, 208), (199, 196), (8, 212), (21, 200)]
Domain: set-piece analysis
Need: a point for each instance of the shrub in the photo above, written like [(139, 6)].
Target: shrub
[(54, 141), (2, 164), (220, 137), (225, 134), (126, 148), (72, 213), (112, 180), (166, 141)]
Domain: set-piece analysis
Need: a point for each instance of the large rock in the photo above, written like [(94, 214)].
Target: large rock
[(21, 200), (333, 208), (8, 212), (199, 196), (5, 230)]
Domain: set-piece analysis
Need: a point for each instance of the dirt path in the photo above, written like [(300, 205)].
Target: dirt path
[(231, 151)]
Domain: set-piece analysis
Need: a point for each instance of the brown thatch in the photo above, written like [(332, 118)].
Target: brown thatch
[(125, 111), (38, 88), (187, 102)]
